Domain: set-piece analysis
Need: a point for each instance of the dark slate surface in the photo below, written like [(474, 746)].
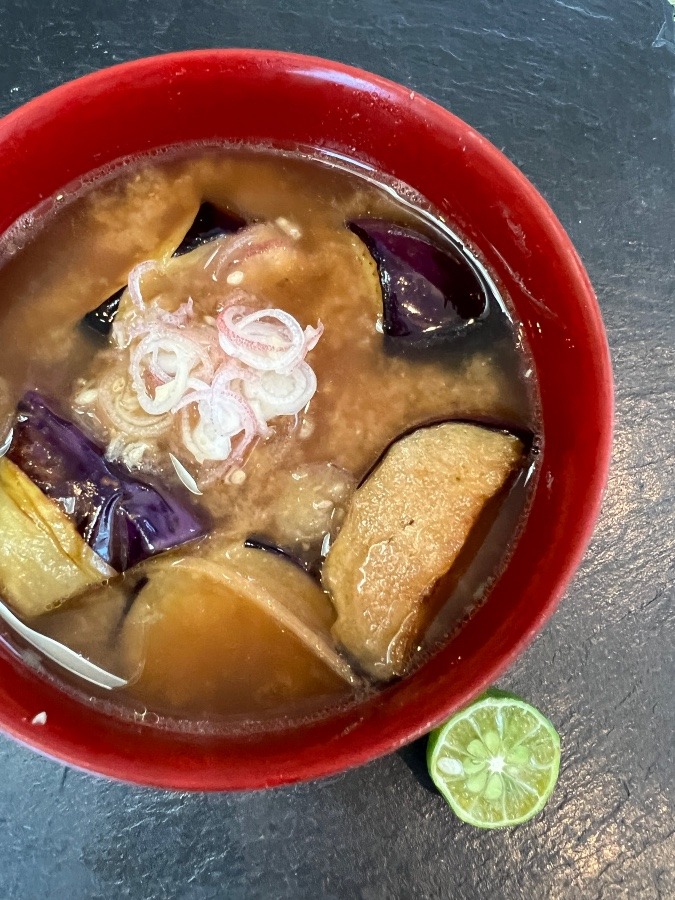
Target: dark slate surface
[(577, 95)]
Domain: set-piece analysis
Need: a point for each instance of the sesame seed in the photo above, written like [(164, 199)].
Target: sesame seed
[(288, 228), (87, 396), (306, 430)]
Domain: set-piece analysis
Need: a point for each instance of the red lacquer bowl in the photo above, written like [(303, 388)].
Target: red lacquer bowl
[(286, 99)]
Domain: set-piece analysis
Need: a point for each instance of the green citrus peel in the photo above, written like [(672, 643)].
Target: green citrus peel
[(496, 761)]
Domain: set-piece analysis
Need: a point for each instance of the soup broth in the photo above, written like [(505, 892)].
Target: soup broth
[(275, 425)]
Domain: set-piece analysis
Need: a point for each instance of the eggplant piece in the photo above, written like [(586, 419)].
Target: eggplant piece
[(92, 622), (210, 223), (405, 528), (43, 560), (428, 289), (123, 518), (235, 633), (99, 321)]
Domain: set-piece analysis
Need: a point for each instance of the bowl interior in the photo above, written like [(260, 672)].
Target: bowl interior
[(290, 100)]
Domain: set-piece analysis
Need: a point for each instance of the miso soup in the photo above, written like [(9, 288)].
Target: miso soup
[(268, 432)]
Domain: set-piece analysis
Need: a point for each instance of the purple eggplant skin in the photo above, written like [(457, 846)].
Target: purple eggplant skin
[(310, 561), (99, 322), (124, 518), (257, 542), (429, 288), (210, 223)]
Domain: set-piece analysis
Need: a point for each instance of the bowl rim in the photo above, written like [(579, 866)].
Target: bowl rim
[(159, 774)]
